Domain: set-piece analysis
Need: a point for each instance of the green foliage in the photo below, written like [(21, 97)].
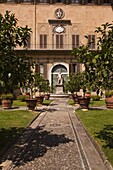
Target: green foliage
[(99, 64), (88, 92), (98, 103), (14, 68), (45, 86), (96, 97), (109, 93), (6, 96), (42, 84), (73, 83), (36, 82), (22, 97)]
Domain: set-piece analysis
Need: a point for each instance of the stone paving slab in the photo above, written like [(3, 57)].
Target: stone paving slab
[(51, 143)]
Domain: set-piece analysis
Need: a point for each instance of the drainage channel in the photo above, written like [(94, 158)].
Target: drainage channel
[(77, 140)]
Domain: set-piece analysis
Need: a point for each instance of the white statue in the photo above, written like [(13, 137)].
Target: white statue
[(60, 80)]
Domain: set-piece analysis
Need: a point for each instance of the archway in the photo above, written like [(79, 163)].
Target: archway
[(58, 68)]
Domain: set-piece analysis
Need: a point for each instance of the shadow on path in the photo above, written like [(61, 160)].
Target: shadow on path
[(36, 146)]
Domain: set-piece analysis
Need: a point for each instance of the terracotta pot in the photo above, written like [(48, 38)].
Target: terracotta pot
[(7, 103), (76, 98), (47, 96), (72, 96), (88, 95), (31, 103), (40, 99), (84, 102), (109, 102)]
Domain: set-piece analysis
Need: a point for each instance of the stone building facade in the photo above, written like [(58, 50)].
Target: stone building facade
[(58, 26)]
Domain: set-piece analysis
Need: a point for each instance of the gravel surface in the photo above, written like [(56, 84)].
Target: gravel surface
[(52, 143), (52, 146)]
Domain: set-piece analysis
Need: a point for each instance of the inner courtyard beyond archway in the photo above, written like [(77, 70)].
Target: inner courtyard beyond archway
[(58, 68)]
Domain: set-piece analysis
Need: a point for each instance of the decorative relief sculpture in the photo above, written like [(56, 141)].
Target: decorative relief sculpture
[(59, 13)]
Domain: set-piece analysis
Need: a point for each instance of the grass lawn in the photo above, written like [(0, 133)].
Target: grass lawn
[(97, 103), (47, 102), (99, 123), (12, 123), (92, 103), (18, 103)]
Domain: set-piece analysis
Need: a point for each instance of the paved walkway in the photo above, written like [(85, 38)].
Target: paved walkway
[(56, 140)]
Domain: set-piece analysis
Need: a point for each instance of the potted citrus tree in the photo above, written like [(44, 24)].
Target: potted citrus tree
[(30, 86), (72, 85), (46, 89), (99, 64), (84, 100), (109, 99), (40, 87), (6, 100)]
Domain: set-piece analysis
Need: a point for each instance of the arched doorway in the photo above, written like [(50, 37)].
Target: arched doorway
[(59, 68)]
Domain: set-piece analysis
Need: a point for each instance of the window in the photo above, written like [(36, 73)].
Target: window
[(106, 1), (28, 42), (42, 1), (91, 1), (75, 41), (43, 41), (59, 41), (91, 41), (41, 69), (75, 1), (59, 1), (26, 0)]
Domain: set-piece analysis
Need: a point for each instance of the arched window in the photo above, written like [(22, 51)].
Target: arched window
[(59, 68)]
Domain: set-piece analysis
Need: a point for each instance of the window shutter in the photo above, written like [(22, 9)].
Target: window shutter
[(70, 68), (37, 68), (45, 41), (57, 41), (40, 41), (93, 42), (69, 1), (45, 70), (61, 41), (77, 41), (99, 2), (73, 41), (83, 2), (96, 2), (89, 40)]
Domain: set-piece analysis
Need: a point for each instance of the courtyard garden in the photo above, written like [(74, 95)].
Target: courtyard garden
[(16, 72)]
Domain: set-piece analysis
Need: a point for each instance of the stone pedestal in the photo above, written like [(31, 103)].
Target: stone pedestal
[(59, 89)]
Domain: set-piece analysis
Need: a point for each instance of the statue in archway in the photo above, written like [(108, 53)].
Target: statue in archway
[(60, 79)]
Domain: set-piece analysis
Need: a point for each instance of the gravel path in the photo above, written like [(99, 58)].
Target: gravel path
[(52, 143)]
